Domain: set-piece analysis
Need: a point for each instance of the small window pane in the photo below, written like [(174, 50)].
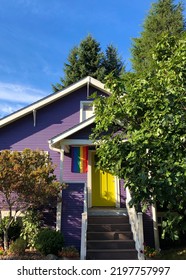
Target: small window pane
[(87, 107)]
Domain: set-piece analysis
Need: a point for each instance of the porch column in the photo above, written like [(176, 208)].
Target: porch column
[(59, 204), (155, 226)]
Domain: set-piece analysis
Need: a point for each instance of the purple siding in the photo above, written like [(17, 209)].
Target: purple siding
[(51, 120), (72, 208), (83, 133)]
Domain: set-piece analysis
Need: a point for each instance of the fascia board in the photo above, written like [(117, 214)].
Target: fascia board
[(51, 98), (75, 129)]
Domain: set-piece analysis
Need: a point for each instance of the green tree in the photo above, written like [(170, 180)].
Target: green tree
[(112, 63), (27, 181), (164, 17), (72, 71), (88, 60), (84, 60), (141, 129)]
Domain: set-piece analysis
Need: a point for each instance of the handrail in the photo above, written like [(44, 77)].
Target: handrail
[(136, 222), (84, 225)]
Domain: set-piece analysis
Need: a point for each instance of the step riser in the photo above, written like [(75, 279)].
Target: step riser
[(107, 227), (109, 236), (111, 245), (112, 256), (108, 220)]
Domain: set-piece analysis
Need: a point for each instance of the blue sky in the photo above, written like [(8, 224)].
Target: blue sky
[(37, 36)]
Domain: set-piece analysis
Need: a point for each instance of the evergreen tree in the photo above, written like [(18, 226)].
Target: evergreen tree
[(72, 71), (164, 17), (112, 62), (84, 60), (88, 60)]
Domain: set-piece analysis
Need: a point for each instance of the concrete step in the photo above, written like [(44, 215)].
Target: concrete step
[(110, 244), (112, 254)]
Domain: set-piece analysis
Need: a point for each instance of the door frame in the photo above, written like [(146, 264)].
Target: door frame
[(89, 183)]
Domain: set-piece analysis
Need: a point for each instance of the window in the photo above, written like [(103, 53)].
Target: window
[(86, 110)]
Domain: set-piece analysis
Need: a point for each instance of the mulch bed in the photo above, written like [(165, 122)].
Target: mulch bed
[(29, 255)]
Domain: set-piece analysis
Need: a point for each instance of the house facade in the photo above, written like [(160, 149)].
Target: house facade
[(61, 124)]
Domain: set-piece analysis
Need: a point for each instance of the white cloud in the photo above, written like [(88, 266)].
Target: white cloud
[(15, 96), (6, 109), (20, 93)]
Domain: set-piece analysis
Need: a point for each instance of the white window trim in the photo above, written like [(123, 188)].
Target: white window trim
[(82, 103)]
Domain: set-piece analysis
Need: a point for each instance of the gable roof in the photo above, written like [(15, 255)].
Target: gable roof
[(51, 98), (55, 141)]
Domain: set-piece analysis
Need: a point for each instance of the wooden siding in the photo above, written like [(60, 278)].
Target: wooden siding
[(72, 208), (83, 134), (50, 121)]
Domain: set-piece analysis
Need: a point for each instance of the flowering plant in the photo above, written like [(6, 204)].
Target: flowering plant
[(1, 250), (150, 252)]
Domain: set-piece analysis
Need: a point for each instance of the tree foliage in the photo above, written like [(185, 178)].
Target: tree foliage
[(112, 63), (141, 129), (27, 180), (88, 60), (164, 17)]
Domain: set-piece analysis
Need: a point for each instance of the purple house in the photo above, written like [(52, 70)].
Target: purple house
[(94, 215)]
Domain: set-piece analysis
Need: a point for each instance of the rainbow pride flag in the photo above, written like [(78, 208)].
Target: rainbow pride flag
[(80, 159)]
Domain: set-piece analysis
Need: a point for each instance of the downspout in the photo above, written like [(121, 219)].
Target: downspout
[(59, 204)]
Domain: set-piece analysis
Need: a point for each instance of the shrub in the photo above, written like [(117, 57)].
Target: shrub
[(49, 241), (69, 252), (30, 228), (18, 247), (150, 252), (1, 250), (13, 231)]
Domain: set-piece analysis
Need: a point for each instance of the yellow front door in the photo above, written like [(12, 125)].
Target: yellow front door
[(103, 186)]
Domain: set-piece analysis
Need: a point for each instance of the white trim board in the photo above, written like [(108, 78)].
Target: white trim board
[(71, 131), (51, 98)]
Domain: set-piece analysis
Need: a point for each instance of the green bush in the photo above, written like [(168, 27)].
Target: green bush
[(30, 227), (69, 252), (49, 241), (18, 246)]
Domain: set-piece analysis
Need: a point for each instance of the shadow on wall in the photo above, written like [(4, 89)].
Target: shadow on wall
[(72, 208)]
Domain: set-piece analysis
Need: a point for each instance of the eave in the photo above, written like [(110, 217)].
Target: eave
[(51, 98), (61, 139)]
